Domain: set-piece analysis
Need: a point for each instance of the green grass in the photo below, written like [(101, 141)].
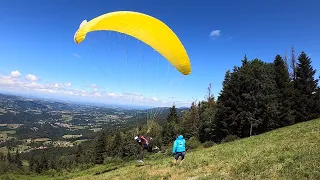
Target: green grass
[(41, 139), (5, 135), (66, 118), (78, 127), (287, 153), (71, 136), (8, 132)]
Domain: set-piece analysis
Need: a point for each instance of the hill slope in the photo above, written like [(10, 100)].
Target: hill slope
[(287, 153)]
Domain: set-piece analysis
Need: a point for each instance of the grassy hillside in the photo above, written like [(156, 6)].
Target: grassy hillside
[(287, 153)]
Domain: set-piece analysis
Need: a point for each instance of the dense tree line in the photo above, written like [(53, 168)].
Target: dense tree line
[(256, 97)]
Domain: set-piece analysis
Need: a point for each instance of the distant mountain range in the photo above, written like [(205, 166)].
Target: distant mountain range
[(35, 101)]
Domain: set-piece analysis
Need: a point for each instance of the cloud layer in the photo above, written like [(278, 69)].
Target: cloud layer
[(31, 83)]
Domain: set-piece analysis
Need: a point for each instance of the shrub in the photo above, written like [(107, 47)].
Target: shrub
[(208, 144), (168, 149), (230, 138), (193, 143), (51, 172)]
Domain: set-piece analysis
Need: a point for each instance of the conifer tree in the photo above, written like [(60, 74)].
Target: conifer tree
[(18, 159), (79, 154), (118, 144), (43, 163), (32, 163), (100, 148), (173, 115), (195, 120), (306, 88), (9, 157), (293, 64), (190, 122), (285, 92), (226, 107), (206, 112), (2, 156), (248, 103), (245, 60), (170, 127)]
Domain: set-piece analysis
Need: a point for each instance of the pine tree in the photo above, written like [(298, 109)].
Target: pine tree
[(285, 59), (100, 148), (170, 128), (53, 162), (306, 87), (186, 124), (2, 156), (317, 102), (262, 109), (190, 123), (293, 64), (43, 163), (79, 154), (9, 157), (18, 159), (32, 164), (285, 92), (195, 120), (155, 133), (207, 112), (245, 60), (248, 103), (226, 107), (118, 144), (173, 115)]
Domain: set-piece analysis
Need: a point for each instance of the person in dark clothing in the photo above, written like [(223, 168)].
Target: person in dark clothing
[(145, 145)]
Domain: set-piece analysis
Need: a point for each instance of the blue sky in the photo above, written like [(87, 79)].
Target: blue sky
[(38, 54)]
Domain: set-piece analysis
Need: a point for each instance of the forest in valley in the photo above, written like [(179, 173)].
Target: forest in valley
[(256, 97)]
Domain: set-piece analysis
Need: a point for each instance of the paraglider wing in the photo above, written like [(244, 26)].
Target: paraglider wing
[(147, 29)]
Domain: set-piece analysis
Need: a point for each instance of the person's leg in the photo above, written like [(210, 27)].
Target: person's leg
[(182, 157), (174, 161), (176, 158), (149, 148), (143, 153), (141, 156)]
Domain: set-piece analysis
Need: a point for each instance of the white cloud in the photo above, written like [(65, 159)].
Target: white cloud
[(7, 80), (15, 83), (58, 85), (47, 90), (15, 74), (111, 94), (77, 55), (93, 86), (33, 85), (32, 77), (68, 84), (215, 33)]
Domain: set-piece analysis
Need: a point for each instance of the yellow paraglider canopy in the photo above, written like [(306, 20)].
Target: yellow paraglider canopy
[(145, 28)]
